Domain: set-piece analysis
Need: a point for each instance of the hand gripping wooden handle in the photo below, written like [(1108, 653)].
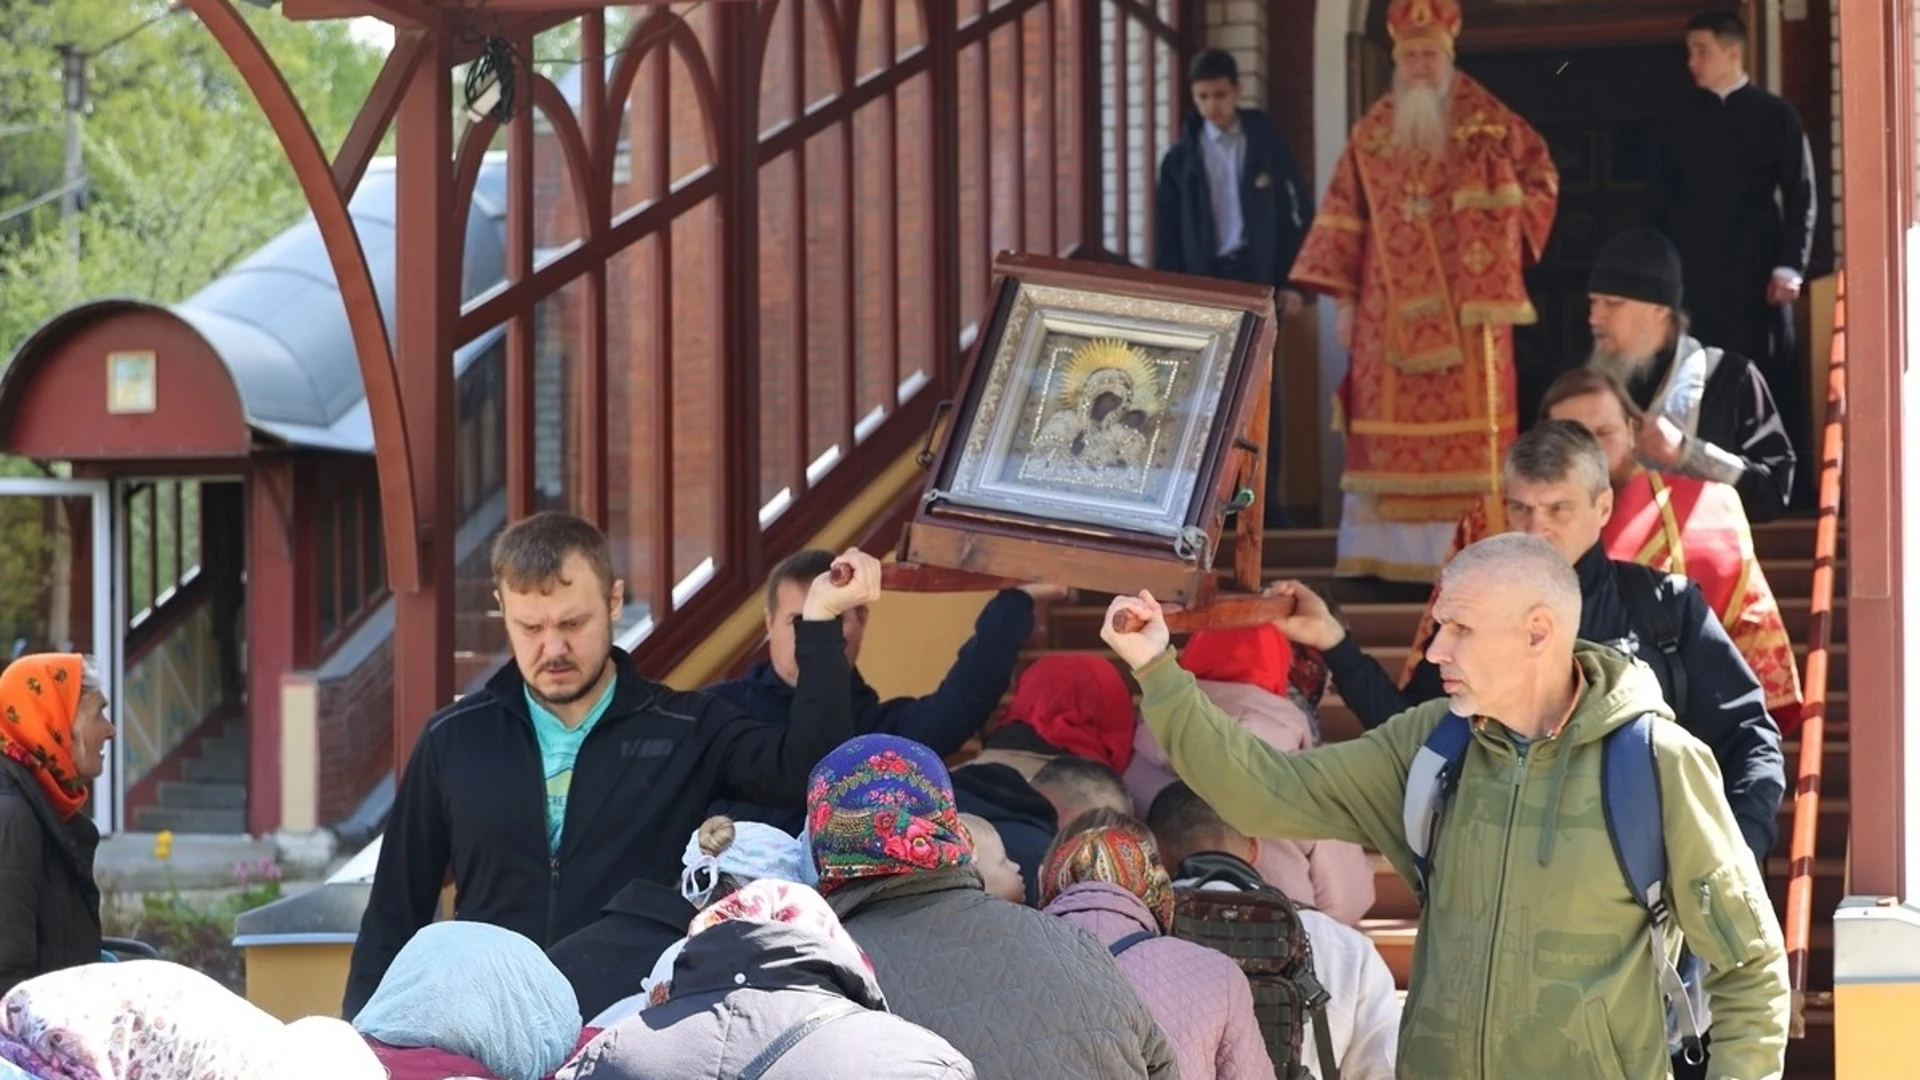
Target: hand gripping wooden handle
[(1227, 611), (840, 574)]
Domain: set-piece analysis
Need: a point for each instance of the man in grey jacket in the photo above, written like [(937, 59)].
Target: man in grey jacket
[(1021, 994)]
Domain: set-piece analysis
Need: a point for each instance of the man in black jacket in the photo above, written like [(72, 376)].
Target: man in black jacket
[(943, 720), (1231, 204), (1710, 411), (1556, 485), (1733, 185), (571, 774)]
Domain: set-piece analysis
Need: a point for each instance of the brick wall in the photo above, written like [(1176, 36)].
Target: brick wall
[(1240, 27), (355, 734)]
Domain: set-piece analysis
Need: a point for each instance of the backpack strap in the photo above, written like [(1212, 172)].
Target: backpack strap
[(1431, 778), (1630, 798), (1130, 941), (788, 1039), (1640, 588)]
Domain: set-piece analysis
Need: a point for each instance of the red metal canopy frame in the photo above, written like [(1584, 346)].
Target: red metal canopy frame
[(1012, 158)]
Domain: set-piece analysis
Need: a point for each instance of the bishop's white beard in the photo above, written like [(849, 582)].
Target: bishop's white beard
[(1420, 115)]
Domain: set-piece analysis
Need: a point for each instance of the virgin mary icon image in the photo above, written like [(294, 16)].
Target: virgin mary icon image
[(1101, 429)]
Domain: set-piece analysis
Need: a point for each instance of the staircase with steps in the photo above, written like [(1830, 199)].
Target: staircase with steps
[(211, 795), (1382, 618)]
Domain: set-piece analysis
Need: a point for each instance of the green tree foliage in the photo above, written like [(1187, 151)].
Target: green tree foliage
[(186, 175)]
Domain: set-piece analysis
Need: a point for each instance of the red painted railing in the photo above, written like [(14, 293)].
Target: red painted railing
[(1813, 727)]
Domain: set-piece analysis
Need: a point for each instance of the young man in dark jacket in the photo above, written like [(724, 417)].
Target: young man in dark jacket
[(1557, 488), (571, 773), (943, 720), (1230, 202)]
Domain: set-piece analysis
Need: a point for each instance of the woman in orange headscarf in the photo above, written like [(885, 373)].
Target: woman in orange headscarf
[(53, 735)]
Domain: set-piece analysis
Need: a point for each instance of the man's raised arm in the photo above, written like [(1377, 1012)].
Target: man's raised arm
[(769, 763), (1351, 791)]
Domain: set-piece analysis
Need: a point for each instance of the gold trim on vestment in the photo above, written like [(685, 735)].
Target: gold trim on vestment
[(1427, 362), (1415, 484), (1429, 509), (1420, 305), (1663, 502), (1498, 312), (1341, 222), (1504, 197), (1434, 431)]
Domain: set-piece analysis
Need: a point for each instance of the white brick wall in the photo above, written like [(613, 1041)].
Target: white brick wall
[(1240, 27)]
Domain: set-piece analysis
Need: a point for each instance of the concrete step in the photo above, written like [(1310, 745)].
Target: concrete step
[(190, 795), (217, 771), (197, 820)]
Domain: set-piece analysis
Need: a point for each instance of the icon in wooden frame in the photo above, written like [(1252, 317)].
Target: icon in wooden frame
[(1104, 429)]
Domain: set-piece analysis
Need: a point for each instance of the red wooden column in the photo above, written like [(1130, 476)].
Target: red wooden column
[(1876, 118), (427, 301), (274, 614)]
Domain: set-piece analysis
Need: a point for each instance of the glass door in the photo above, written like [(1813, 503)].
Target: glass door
[(57, 590)]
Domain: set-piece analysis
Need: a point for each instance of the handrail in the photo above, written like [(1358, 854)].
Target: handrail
[(1813, 725)]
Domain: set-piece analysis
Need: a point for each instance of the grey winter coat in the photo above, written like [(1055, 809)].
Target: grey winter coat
[(1022, 994), (736, 988)]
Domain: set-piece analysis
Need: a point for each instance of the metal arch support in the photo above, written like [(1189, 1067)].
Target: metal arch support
[(398, 494)]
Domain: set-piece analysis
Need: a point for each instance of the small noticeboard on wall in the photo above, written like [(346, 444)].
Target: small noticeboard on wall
[(132, 382)]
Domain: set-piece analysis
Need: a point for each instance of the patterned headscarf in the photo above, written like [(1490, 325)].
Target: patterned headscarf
[(881, 805), (39, 698), (758, 851), (1117, 856), (787, 902), (1079, 704)]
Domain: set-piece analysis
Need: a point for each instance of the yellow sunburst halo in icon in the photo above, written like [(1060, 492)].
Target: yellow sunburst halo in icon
[(1109, 354)]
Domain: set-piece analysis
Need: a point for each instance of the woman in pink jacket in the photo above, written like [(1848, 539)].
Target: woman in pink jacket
[(1104, 876), (1249, 673)]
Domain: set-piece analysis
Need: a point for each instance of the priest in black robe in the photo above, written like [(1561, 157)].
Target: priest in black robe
[(1710, 413), (1733, 188)]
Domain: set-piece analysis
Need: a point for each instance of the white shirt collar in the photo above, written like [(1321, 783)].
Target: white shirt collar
[(1219, 135), (1738, 85)]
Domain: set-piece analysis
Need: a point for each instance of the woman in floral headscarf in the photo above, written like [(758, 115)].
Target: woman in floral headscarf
[(1104, 876), (765, 961), (53, 735), (997, 980)]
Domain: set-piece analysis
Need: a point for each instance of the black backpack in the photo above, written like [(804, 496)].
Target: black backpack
[(1260, 928)]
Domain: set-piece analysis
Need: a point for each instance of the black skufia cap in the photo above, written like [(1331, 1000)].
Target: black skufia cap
[(1639, 264)]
